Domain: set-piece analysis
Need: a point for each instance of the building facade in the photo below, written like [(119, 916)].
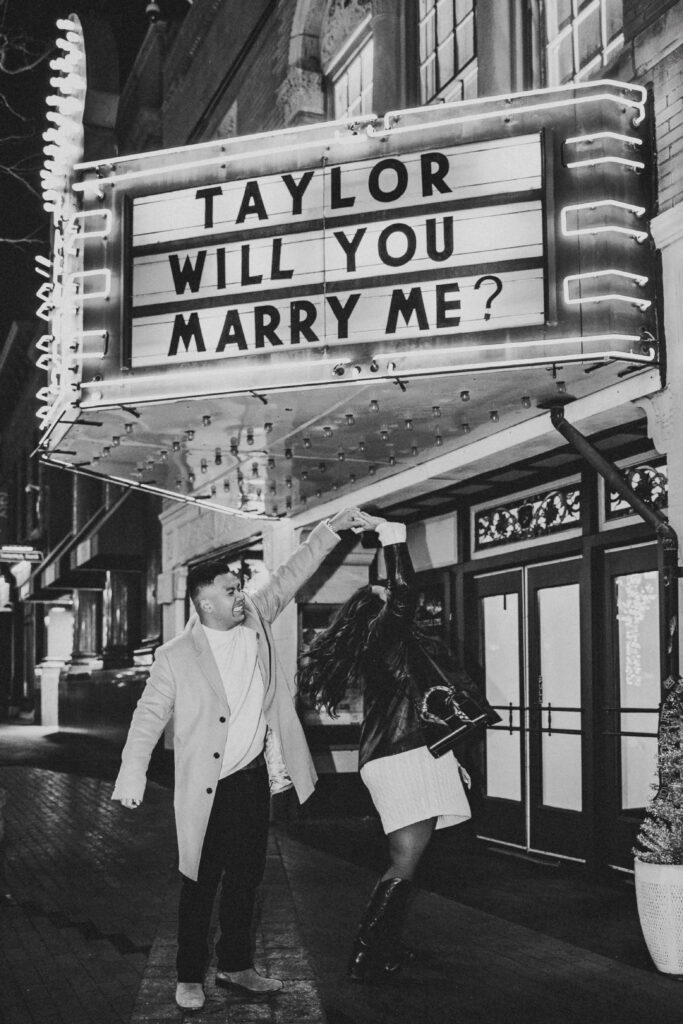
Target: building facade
[(79, 617), (532, 567)]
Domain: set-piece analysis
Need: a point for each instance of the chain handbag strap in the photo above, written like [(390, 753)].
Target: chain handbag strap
[(429, 716)]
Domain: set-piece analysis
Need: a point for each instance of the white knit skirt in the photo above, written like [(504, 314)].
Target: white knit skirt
[(413, 785)]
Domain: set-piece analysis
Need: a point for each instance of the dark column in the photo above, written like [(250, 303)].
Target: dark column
[(502, 50), (390, 21), (120, 618)]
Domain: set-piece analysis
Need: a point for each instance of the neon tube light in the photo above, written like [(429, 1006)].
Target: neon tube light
[(221, 160), (615, 296), (490, 115), (82, 275), (82, 216), (635, 165), (637, 211), (631, 140), (506, 98), (350, 123), (524, 361), (224, 158), (44, 342), (341, 361), (456, 350), (371, 131)]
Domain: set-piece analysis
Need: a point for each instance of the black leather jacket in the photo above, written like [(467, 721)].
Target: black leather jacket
[(396, 669)]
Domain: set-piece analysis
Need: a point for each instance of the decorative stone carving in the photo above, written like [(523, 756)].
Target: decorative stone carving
[(342, 18), (301, 97)]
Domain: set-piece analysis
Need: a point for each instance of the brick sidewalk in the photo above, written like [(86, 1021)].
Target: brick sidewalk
[(473, 967), (87, 883), (279, 953), (87, 929)]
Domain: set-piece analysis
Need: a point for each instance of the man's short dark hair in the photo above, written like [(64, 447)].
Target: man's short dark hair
[(205, 573)]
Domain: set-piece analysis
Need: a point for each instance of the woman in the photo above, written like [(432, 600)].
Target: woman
[(374, 642)]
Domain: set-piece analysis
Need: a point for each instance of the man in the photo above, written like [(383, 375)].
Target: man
[(221, 681)]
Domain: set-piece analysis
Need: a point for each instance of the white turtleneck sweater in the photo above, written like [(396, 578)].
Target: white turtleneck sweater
[(236, 654)]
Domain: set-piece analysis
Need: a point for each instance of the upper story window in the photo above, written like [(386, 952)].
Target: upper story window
[(448, 67), (582, 36), (351, 77)]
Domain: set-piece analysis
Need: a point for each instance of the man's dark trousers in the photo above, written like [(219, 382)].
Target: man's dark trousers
[(234, 847)]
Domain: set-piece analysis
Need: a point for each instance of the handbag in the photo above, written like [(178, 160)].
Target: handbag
[(453, 710)]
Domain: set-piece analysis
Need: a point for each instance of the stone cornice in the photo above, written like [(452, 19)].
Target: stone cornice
[(661, 418), (667, 227)]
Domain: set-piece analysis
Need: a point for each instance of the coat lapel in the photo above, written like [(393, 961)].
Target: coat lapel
[(207, 662), (253, 620)]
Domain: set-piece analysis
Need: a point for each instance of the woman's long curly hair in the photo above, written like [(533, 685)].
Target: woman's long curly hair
[(334, 661)]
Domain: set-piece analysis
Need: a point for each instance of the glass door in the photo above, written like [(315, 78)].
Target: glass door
[(630, 698), (556, 727), (529, 653), (500, 657)]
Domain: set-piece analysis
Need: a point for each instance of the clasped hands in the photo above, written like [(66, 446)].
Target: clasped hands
[(354, 519)]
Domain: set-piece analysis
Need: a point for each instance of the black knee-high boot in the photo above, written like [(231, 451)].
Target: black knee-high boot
[(376, 948)]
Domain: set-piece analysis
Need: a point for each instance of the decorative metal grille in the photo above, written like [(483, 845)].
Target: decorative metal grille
[(539, 515), (650, 484)]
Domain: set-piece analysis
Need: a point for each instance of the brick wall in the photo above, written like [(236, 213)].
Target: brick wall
[(264, 72), (667, 80), (654, 33), (205, 52), (639, 14)]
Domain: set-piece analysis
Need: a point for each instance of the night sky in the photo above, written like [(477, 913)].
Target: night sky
[(21, 213)]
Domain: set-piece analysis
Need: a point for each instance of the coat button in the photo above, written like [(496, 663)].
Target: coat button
[(222, 718), (216, 755), (209, 790)]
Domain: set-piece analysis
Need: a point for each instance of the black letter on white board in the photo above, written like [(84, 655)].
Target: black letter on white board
[(185, 331)]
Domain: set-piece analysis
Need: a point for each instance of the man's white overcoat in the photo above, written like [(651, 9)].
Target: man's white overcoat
[(184, 682)]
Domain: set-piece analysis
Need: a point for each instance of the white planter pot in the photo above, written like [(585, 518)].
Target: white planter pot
[(659, 895)]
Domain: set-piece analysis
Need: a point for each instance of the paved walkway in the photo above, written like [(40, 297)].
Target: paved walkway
[(87, 923), (86, 885), (87, 928), (473, 968)]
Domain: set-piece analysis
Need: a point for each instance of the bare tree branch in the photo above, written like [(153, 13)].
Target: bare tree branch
[(12, 173), (8, 106), (28, 53), (33, 238)]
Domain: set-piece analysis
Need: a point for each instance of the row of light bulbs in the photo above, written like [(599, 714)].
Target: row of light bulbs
[(64, 137), (63, 147), (189, 436)]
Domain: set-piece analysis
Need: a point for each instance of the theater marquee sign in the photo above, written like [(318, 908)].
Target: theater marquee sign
[(438, 242), (229, 306)]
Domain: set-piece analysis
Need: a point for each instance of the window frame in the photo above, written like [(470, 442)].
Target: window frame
[(607, 48), (339, 66), (465, 76)]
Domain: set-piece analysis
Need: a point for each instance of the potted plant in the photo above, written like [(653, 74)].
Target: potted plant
[(659, 846)]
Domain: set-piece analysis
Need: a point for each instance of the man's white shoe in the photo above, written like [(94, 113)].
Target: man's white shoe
[(189, 995), (248, 981)]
